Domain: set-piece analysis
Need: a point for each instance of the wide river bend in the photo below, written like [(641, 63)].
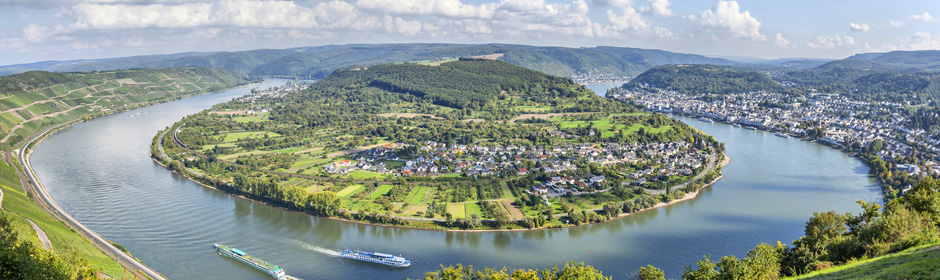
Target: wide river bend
[(101, 173)]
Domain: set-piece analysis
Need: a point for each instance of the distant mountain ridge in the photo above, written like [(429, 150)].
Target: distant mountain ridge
[(318, 62), (899, 76)]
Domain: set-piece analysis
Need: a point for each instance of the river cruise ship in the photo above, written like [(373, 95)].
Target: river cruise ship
[(386, 259), (252, 261)]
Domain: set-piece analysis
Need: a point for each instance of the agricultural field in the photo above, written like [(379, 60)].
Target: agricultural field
[(351, 190)]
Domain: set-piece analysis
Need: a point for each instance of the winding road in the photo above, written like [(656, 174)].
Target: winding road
[(93, 236)]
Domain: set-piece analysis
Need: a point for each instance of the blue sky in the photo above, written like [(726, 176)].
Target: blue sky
[(36, 30)]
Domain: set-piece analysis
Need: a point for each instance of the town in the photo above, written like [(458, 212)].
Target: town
[(639, 164), (827, 118)]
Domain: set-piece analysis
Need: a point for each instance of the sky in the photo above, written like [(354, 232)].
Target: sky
[(41, 30)]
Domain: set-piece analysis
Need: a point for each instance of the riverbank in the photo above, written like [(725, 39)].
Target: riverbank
[(881, 183), (764, 186), (434, 224), (32, 184), (53, 208)]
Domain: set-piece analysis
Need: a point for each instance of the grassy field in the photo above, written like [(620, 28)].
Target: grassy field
[(63, 239), (382, 190), (365, 175), (534, 109), (915, 263), (608, 127), (245, 135), (256, 118), (457, 210), (473, 208), (351, 190), (420, 195)]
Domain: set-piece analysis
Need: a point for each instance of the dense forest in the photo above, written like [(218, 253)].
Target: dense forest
[(855, 80), (703, 79)]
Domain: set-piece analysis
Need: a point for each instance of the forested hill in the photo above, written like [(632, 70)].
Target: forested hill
[(901, 76), (703, 79), (927, 60), (35, 99), (319, 62), (469, 83)]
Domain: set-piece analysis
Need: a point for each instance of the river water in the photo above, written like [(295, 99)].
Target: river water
[(101, 173)]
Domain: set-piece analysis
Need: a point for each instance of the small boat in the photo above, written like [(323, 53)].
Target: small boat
[(373, 257), (782, 135), (750, 127), (736, 125), (704, 119)]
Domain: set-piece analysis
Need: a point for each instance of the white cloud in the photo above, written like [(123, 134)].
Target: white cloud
[(781, 42), (922, 17), (402, 26), (896, 24), (626, 19), (920, 41), (726, 19), (612, 3), (657, 7), (522, 5), (831, 42), (859, 27), (38, 33), (226, 13), (566, 19), (446, 8)]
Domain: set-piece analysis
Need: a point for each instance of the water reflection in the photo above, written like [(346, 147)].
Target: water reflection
[(768, 192)]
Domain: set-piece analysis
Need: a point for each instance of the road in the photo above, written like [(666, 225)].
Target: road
[(93, 236), (43, 239)]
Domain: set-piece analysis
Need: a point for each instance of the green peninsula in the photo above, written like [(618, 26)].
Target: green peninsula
[(468, 144)]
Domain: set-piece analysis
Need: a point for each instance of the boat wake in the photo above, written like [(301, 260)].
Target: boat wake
[(325, 251)]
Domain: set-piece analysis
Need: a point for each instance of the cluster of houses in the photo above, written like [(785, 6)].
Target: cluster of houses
[(594, 76), (660, 160), (563, 185), (275, 92), (846, 121)]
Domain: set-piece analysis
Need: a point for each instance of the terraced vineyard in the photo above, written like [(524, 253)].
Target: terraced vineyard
[(33, 100)]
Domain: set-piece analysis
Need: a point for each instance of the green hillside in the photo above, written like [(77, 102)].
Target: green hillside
[(32, 100), (70, 252), (703, 79), (915, 263)]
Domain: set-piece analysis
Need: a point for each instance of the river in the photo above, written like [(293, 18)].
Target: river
[(101, 173)]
